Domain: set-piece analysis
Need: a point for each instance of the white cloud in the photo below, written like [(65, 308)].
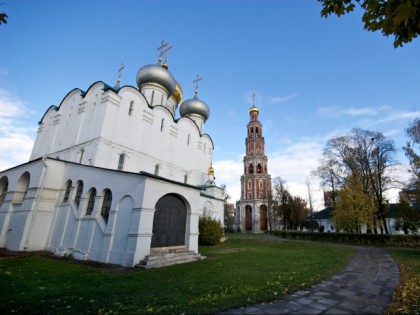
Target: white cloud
[(229, 172), (336, 111), (281, 99), (16, 135), (295, 163)]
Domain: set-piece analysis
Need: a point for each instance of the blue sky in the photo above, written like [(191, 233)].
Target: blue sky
[(315, 78)]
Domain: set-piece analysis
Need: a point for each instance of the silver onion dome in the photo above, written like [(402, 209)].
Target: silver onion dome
[(158, 75), (194, 106)]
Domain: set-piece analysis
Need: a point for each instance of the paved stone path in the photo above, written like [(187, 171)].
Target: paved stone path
[(365, 286)]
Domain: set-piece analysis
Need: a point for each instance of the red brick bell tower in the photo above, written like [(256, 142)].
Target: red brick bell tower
[(256, 182)]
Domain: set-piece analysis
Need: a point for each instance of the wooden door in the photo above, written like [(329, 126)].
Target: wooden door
[(169, 222)]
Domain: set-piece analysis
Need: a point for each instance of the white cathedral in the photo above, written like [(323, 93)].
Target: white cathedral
[(115, 176)]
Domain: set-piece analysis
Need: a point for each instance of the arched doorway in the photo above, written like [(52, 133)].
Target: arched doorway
[(263, 218), (169, 222), (248, 218)]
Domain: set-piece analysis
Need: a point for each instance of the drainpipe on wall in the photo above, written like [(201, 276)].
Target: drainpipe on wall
[(43, 176)]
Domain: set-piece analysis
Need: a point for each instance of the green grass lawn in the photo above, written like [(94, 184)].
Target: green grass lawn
[(246, 269), (407, 295)]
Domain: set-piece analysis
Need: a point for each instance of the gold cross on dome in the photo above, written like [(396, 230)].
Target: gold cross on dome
[(197, 79), (119, 75), (120, 71), (253, 98), (165, 51), (160, 49)]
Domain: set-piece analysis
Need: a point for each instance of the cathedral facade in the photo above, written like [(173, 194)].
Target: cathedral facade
[(115, 173), (252, 208)]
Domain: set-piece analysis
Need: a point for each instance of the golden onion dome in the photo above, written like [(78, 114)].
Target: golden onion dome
[(178, 93), (254, 109), (211, 170)]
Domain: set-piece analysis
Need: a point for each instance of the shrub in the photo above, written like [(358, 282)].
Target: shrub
[(353, 238), (211, 231)]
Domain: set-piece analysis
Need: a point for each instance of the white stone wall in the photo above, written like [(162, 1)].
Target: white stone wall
[(97, 128), (44, 221)]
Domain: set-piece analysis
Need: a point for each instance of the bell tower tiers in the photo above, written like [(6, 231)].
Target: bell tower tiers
[(251, 209)]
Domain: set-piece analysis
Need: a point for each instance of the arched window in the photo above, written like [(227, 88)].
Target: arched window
[(153, 96), (251, 168), (82, 151), (78, 193), (4, 186), (130, 109), (91, 202), (106, 205), (259, 168), (121, 162), (67, 193), (188, 139), (257, 131), (157, 169)]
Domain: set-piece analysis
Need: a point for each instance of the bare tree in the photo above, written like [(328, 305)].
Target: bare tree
[(412, 152), (282, 198), (311, 207)]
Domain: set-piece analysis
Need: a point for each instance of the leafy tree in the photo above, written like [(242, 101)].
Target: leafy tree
[(291, 209), (407, 218), (413, 132), (298, 213), (229, 220), (354, 207), (3, 17), (365, 155), (392, 17)]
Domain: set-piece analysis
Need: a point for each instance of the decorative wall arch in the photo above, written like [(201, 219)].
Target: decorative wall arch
[(208, 208), (123, 217), (22, 187), (4, 187)]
